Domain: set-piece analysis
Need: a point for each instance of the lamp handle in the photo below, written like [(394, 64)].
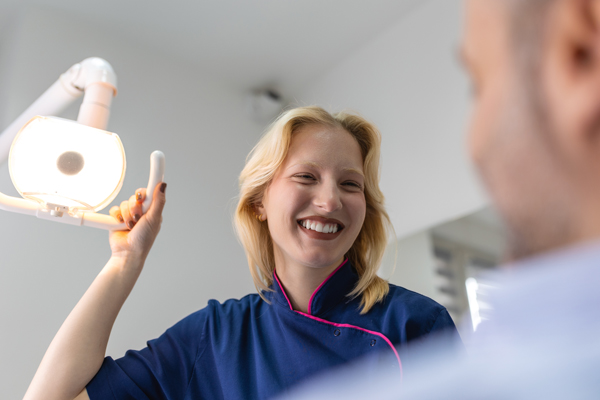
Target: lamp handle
[(157, 175)]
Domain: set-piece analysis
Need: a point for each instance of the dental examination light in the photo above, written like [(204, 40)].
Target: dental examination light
[(64, 170)]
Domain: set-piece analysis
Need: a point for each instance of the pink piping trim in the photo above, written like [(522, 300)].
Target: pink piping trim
[(283, 291), (381, 335), (321, 285)]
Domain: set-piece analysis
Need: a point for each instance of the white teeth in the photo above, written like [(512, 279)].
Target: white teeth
[(319, 227)]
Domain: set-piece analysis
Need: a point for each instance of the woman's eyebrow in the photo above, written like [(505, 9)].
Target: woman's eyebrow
[(315, 165), (355, 171), (309, 163)]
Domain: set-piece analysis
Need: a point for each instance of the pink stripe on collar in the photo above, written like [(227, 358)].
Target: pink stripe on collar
[(282, 290), (321, 285), (381, 335)]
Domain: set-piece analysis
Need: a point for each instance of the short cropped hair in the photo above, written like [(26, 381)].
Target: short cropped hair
[(261, 166)]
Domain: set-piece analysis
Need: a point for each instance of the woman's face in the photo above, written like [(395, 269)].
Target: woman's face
[(315, 205)]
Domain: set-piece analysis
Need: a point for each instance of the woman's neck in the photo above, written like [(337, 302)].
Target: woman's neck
[(301, 281)]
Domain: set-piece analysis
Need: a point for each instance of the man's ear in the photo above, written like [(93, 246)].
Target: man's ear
[(571, 70), (588, 58), (574, 34)]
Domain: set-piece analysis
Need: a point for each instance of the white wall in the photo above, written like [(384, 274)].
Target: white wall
[(7, 48), (414, 264), (163, 103), (408, 82)]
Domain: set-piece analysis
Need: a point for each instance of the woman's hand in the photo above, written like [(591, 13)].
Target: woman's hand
[(135, 242)]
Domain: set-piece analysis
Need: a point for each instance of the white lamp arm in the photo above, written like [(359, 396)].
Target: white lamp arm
[(17, 205), (52, 102), (94, 74)]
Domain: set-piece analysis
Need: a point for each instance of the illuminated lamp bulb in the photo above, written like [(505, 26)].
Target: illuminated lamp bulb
[(59, 162)]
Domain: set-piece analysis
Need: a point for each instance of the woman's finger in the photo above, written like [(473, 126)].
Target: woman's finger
[(127, 218), (115, 212), (135, 208), (140, 195), (158, 203)]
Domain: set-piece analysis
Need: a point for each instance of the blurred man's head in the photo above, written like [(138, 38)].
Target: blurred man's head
[(535, 131)]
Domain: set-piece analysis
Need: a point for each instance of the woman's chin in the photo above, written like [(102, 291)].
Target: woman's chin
[(320, 262)]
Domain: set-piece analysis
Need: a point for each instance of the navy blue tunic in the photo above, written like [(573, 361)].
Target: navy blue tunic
[(253, 349)]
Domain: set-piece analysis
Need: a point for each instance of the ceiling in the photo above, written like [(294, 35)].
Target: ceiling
[(254, 43)]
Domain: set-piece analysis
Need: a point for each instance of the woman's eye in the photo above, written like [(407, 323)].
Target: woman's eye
[(353, 184), (304, 176)]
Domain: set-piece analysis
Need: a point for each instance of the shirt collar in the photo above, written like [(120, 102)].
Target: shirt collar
[(333, 290)]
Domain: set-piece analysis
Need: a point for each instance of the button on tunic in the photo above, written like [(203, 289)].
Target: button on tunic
[(253, 349)]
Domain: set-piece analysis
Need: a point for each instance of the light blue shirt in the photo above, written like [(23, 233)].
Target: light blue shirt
[(542, 341)]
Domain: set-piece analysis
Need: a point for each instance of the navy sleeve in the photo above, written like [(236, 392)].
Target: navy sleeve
[(439, 336), (162, 370), (446, 335), (443, 323)]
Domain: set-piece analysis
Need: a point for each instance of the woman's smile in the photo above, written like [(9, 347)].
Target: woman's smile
[(320, 228)]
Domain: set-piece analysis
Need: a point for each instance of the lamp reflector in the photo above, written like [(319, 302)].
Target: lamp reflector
[(61, 162)]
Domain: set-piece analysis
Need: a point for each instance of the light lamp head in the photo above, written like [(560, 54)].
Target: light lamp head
[(64, 163)]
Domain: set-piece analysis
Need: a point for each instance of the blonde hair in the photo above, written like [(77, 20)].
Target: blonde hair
[(263, 162)]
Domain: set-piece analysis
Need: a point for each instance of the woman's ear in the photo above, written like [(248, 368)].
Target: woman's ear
[(260, 212)]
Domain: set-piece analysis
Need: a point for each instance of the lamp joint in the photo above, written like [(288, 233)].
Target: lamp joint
[(56, 210)]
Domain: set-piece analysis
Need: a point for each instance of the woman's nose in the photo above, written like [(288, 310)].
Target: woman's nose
[(328, 197)]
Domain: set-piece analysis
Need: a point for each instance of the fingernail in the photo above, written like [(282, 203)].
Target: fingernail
[(138, 196), (136, 217), (130, 224), (121, 219), (163, 187)]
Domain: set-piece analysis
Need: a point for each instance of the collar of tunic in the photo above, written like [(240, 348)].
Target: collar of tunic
[(331, 292)]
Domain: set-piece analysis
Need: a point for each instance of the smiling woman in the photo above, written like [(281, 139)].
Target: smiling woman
[(311, 218), (309, 172)]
